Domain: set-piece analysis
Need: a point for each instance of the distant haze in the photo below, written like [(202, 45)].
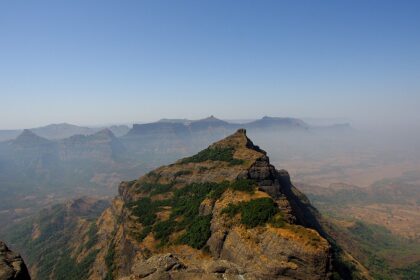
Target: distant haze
[(111, 62)]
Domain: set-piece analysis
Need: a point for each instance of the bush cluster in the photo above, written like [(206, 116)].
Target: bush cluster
[(145, 210), (185, 204), (215, 154), (154, 188), (255, 212), (68, 269), (198, 232)]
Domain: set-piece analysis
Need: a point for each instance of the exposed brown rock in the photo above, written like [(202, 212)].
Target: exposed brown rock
[(12, 266)]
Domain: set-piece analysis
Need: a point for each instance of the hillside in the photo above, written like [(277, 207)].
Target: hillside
[(378, 224), (62, 131), (47, 239)]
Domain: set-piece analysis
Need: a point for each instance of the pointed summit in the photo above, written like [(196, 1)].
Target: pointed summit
[(238, 141), (104, 134), (210, 119), (209, 122), (28, 138)]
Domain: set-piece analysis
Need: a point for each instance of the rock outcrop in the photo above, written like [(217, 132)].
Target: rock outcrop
[(225, 213), (12, 266)]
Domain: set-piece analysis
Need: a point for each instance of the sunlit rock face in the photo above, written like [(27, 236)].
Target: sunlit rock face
[(12, 266)]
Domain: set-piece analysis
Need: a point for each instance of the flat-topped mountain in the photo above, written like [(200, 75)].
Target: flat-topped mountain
[(184, 126), (102, 145), (62, 130), (273, 122)]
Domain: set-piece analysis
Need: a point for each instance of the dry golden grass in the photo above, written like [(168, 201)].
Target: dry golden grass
[(304, 236)]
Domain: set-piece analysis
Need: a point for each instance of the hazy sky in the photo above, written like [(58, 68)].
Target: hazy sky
[(93, 62)]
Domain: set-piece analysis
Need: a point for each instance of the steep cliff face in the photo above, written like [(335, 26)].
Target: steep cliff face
[(12, 266), (224, 213)]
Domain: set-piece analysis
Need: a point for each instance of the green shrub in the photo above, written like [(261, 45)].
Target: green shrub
[(232, 209), (109, 261), (153, 174), (185, 204), (277, 220), (258, 211), (145, 210), (155, 188), (235, 161), (92, 237), (145, 232), (68, 269), (186, 201), (217, 190), (162, 230), (254, 212), (244, 185), (160, 188), (214, 154), (198, 232)]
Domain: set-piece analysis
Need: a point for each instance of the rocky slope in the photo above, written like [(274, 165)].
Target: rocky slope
[(224, 213), (12, 266), (57, 243)]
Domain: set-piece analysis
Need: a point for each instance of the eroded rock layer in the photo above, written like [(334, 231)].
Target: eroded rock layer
[(12, 266)]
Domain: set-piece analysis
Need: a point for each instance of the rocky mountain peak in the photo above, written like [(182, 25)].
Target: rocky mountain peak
[(223, 211), (238, 141), (210, 122)]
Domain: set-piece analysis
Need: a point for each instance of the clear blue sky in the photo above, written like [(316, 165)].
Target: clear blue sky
[(93, 62)]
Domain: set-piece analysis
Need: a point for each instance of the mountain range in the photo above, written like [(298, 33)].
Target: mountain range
[(34, 170), (63, 130)]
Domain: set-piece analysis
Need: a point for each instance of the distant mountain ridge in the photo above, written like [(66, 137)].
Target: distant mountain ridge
[(29, 138), (184, 125), (62, 131), (65, 130)]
